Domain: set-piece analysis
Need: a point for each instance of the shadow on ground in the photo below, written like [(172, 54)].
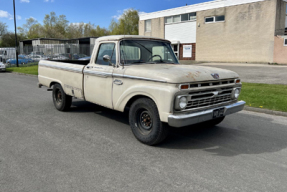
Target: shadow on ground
[(234, 136)]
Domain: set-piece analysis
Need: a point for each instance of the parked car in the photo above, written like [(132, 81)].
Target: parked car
[(85, 58), (21, 60), (35, 53), (79, 55), (143, 75), (2, 67), (58, 57), (38, 57)]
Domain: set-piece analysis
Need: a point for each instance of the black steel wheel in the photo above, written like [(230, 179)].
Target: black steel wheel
[(62, 102), (145, 122)]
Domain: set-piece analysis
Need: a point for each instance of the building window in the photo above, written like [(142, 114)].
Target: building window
[(180, 18), (176, 18), (192, 16), (147, 25), (213, 19), (209, 19)]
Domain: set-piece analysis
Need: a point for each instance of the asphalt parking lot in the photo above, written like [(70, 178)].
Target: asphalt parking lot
[(91, 148), (255, 73)]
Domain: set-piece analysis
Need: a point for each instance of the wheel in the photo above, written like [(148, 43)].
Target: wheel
[(145, 122), (62, 102), (213, 122)]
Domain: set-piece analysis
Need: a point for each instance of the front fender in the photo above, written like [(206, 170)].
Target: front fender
[(161, 93)]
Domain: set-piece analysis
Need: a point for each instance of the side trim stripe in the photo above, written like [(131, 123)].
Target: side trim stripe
[(72, 69)]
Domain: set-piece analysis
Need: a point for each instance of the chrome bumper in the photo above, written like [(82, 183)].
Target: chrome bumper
[(182, 120)]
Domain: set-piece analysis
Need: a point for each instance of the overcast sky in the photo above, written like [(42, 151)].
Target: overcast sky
[(99, 12)]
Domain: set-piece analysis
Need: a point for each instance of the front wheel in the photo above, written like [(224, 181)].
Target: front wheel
[(62, 102), (145, 122)]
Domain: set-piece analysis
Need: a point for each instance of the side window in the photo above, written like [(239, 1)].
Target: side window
[(106, 49)]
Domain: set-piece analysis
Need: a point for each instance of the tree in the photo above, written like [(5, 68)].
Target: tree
[(8, 39), (78, 30), (3, 28), (54, 26), (127, 23), (31, 29)]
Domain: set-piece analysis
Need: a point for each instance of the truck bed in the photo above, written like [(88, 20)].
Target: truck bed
[(69, 74)]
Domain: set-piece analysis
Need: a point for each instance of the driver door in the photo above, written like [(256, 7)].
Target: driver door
[(98, 79)]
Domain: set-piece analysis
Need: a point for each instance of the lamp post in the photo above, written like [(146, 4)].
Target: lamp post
[(15, 34)]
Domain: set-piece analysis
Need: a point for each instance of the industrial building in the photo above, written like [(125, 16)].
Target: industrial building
[(50, 46), (223, 30)]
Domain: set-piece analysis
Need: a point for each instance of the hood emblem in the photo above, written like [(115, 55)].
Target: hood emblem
[(215, 75)]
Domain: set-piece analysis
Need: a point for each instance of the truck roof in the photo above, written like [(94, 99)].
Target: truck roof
[(119, 37)]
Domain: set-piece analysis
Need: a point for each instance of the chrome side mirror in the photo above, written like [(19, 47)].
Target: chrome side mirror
[(107, 58)]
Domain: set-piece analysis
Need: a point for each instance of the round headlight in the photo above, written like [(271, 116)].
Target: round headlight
[(182, 102), (236, 93)]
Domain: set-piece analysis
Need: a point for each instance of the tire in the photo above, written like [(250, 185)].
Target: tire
[(214, 122), (62, 102), (151, 130)]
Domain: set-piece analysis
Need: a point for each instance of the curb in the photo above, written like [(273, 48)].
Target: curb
[(266, 111), (22, 74)]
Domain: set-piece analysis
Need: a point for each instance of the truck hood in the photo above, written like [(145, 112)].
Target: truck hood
[(176, 73)]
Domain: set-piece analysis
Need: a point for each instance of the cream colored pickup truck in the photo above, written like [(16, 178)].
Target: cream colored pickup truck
[(143, 75)]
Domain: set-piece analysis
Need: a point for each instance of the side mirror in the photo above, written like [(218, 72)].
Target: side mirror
[(107, 58)]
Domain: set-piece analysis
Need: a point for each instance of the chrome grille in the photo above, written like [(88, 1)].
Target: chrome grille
[(212, 83), (209, 97)]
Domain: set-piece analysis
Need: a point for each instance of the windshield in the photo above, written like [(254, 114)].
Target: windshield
[(146, 51)]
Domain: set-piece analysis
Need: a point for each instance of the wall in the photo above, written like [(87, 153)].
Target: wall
[(157, 28), (280, 51), (247, 35)]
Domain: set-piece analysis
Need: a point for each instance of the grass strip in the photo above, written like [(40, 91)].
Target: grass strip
[(33, 69), (273, 97)]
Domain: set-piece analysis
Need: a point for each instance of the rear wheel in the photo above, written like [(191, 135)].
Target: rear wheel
[(62, 102), (145, 122)]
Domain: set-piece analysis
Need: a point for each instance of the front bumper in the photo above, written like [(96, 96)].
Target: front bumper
[(182, 120), (2, 69)]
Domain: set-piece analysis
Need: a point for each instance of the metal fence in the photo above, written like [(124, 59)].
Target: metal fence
[(29, 55)]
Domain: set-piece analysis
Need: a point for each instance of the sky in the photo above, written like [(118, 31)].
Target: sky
[(97, 12)]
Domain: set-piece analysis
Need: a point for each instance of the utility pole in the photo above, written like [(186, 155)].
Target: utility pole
[(16, 46)]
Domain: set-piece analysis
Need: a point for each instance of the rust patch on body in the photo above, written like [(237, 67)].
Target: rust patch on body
[(193, 75)]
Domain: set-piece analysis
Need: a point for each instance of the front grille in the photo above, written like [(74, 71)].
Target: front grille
[(212, 83), (209, 97)]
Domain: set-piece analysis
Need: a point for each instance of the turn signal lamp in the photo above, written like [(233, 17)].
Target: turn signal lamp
[(184, 87), (237, 81)]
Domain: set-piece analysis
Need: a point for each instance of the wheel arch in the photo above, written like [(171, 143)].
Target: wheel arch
[(136, 97), (53, 83)]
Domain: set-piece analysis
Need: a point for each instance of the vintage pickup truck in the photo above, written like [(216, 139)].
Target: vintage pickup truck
[(143, 75)]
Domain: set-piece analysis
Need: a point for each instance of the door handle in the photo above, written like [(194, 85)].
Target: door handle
[(118, 82)]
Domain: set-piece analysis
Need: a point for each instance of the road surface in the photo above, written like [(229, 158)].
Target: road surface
[(91, 148)]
